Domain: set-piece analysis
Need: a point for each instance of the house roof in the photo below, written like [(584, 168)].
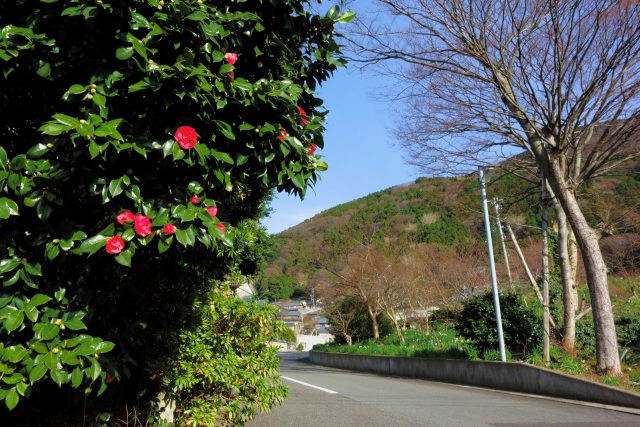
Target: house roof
[(288, 313)]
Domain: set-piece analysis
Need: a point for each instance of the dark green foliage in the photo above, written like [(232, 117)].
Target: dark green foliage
[(279, 287), (90, 97), (628, 331), (414, 193), (629, 186), (521, 327), (445, 230), (585, 336), (376, 213)]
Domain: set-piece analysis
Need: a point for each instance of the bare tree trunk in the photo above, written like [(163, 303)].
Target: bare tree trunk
[(532, 280), (569, 290), (373, 318), (546, 353), (607, 356), (399, 332), (349, 339), (504, 246)]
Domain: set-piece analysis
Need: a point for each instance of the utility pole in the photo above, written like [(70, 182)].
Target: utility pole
[(492, 264), (496, 207)]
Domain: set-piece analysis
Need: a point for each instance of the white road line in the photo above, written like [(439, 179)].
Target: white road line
[(326, 390)]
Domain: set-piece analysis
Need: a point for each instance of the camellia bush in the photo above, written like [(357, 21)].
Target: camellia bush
[(521, 326), (137, 137)]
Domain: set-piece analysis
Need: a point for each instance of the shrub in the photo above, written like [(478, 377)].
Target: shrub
[(585, 336), (521, 327), (222, 362)]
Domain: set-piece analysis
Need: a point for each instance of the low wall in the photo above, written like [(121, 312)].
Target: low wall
[(518, 377)]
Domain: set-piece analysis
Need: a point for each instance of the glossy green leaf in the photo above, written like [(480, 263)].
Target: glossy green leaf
[(15, 353), (124, 53), (103, 347), (124, 258), (43, 210), (75, 324), (37, 373), (14, 320), (7, 265), (39, 299), (185, 237), (58, 376), (37, 150), (7, 208), (76, 377), (346, 17), (91, 245), (12, 399), (48, 331)]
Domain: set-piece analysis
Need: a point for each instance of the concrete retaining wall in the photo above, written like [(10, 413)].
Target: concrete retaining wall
[(518, 377)]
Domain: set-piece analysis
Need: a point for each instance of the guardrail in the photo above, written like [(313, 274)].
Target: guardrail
[(509, 376)]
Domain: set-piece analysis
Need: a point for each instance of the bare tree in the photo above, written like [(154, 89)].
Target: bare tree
[(359, 278), (397, 281), (556, 79), (341, 316)]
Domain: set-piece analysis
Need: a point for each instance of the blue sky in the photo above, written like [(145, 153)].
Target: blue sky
[(358, 145), (358, 149)]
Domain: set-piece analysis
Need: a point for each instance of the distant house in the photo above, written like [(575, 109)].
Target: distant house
[(290, 316), (293, 319), (291, 305)]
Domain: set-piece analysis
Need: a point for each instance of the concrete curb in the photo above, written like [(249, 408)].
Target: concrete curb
[(509, 376)]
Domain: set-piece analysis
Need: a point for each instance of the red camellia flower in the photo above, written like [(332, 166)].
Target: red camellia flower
[(232, 75), (312, 149), (231, 57), (186, 137), (195, 200), (303, 118), (213, 211), (168, 229), (221, 227), (283, 134), (142, 225), (115, 245), (125, 216)]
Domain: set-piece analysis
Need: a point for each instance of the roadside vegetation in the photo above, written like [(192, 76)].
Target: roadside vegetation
[(442, 342)]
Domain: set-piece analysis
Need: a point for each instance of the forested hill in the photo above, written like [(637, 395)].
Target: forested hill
[(442, 219)]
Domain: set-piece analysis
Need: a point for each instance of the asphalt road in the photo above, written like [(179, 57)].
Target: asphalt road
[(346, 398)]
